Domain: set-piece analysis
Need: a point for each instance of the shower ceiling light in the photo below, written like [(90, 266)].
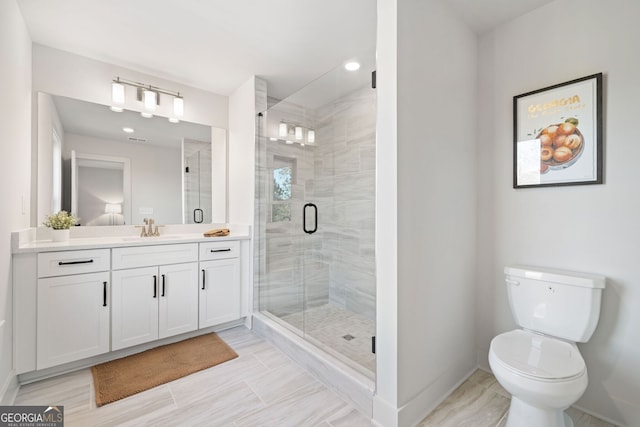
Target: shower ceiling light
[(351, 66)]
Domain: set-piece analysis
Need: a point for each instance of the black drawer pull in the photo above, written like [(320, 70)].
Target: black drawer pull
[(87, 261), (155, 286), (203, 279), (104, 294), (221, 250), (162, 286)]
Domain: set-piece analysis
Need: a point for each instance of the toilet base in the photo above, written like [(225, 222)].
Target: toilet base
[(522, 414)]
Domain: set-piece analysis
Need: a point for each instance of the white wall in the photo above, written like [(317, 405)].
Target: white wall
[(62, 73), (436, 205), (582, 228), (15, 155), (242, 118)]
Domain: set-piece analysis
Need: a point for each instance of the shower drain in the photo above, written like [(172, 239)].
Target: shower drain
[(348, 337)]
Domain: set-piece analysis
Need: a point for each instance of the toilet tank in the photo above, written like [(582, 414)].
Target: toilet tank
[(560, 303)]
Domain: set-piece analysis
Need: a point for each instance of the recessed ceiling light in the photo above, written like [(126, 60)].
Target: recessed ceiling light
[(351, 66), (173, 120), (127, 130), (116, 109)]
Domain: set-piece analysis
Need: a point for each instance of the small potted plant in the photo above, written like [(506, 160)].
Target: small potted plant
[(60, 224)]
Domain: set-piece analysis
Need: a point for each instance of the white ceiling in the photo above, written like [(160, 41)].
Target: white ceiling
[(217, 45)]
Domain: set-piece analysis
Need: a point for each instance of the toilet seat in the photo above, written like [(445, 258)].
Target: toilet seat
[(537, 356)]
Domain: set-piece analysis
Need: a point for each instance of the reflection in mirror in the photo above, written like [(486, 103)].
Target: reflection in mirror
[(118, 168)]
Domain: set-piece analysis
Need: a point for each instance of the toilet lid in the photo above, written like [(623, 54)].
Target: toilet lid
[(537, 355)]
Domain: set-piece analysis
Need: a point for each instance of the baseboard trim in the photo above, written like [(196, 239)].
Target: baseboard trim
[(9, 389), (429, 398)]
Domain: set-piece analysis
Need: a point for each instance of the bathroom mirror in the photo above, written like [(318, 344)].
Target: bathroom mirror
[(113, 168)]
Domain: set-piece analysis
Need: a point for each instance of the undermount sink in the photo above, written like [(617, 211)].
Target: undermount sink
[(151, 238)]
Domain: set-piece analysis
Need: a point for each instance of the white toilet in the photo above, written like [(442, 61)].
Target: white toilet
[(540, 364)]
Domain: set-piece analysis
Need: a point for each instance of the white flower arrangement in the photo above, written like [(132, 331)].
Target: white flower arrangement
[(60, 221)]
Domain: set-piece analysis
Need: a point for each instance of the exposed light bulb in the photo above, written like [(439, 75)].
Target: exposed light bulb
[(178, 107), (311, 136), (150, 100), (298, 133), (282, 130)]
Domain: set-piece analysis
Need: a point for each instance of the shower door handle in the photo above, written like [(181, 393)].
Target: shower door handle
[(304, 218), (198, 215)]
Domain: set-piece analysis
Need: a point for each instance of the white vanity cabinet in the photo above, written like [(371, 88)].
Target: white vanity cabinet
[(219, 283), (154, 293), (72, 305), (90, 300)]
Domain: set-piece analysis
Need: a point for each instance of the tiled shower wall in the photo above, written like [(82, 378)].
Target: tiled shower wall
[(337, 173)]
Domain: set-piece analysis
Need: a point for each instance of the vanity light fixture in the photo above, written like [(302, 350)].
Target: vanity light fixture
[(290, 133), (149, 95), (282, 130)]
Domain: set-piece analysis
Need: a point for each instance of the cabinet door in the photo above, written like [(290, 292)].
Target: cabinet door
[(178, 299), (73, 318), (134, 311), (219, 291)]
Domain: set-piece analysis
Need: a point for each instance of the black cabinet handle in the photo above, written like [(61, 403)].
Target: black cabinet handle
[(86, 261), (203, 279), (155, 286), (221, 250), (104, 294), (162, 286)]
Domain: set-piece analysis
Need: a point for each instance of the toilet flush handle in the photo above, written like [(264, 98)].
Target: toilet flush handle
[(512, 282)]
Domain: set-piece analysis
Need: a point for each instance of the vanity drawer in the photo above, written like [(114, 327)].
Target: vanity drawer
[(147, 256), (219, 250), (73, 262)]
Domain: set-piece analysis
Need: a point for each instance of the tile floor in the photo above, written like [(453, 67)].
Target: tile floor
[(262, 387), (328, 325), (481, 402)]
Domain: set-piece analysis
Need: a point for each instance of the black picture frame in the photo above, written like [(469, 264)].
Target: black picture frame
[(557, 134)]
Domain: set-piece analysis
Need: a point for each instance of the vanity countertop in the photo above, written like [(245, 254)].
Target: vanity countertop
[(22, 245)]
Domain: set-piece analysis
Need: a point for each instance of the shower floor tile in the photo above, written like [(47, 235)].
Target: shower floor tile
[(328, 325)]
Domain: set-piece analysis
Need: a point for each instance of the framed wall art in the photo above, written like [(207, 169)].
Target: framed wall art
[(557, 134)]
